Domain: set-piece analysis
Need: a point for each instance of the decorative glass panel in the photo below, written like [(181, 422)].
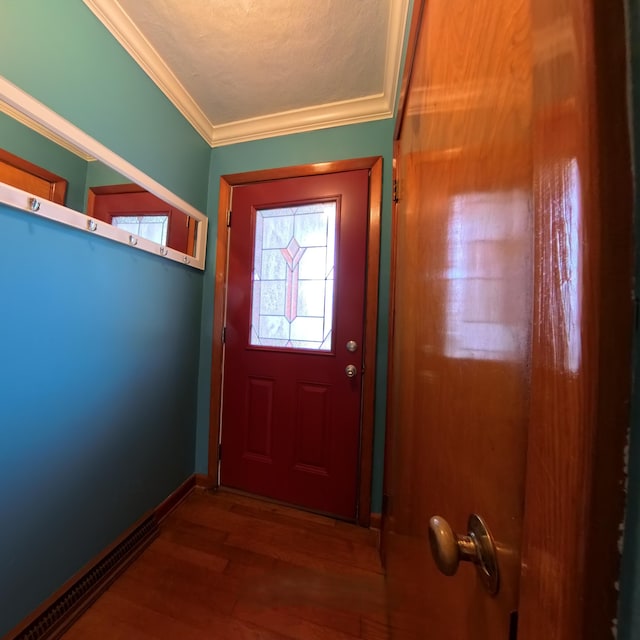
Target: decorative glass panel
[(152, 227), (293, 266)]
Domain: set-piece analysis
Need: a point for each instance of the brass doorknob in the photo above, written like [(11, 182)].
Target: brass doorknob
[(449, 549), (351, 371)]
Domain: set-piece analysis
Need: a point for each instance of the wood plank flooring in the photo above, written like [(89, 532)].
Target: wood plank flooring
[(230, 567)]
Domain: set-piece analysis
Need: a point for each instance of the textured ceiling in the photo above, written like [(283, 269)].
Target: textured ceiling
[(269, 66)]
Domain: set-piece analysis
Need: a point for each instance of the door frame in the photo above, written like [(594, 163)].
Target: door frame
[(57, 184), (578, 421), (227, 183)]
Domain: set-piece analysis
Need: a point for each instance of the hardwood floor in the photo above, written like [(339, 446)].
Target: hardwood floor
[(230, 567)]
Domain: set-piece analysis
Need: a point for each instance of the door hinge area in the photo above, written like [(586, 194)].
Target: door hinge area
[(229, 214), (396, 191), (513, 625)]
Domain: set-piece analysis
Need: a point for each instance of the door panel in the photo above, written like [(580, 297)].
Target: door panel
[(583, 321), (458, 402), (291, 416)]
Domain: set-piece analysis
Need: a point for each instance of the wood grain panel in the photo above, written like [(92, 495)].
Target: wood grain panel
[(563, 125), (32, 178), (217, 344), (582, 320), (298, 171), (25, 181), (458, 406), (370, 344)]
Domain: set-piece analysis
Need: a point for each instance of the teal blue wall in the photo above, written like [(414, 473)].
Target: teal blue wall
[(99, 343), (354, 141), (100, 174), (629, 608), (98, 405)]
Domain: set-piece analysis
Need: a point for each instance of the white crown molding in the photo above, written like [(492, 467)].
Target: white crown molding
[(398, 16), (113, 17), (369, 108), (298, 120)]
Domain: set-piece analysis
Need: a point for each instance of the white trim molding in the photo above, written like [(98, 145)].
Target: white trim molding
[(364, 109), (24, 120), (299, 120)]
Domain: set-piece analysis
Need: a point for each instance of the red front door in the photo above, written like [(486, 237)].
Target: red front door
[(294, 325), (135, 207)]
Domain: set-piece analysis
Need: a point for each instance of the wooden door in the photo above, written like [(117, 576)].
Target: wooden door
[(501, 267), (295, 316)]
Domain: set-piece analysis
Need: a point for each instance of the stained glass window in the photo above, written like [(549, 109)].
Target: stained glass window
[(293, 277), (151, 227)]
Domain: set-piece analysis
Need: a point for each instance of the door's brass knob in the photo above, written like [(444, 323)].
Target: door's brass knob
[(444, 545), (449, 549), (351, 370)]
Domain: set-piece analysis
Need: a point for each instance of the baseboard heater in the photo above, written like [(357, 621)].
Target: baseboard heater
[(68, 607)]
